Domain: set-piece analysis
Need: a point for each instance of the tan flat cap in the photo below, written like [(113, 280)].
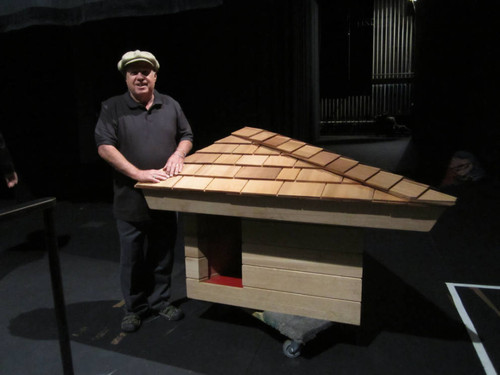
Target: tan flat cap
[(135, 56)]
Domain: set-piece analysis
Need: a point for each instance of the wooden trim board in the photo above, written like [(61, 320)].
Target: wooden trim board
[(356, 214)]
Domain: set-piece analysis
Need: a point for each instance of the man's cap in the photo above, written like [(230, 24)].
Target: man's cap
[(135, 56)]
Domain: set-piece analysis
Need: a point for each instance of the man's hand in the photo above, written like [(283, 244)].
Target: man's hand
[(174, 164), (151, 175), (11, 179)]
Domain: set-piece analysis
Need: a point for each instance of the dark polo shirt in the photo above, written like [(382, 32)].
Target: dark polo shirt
[(147, 138)]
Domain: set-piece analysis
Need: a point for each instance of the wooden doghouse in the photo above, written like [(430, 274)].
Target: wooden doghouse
[(275, 224)]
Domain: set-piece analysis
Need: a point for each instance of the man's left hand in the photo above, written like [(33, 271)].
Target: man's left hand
[(174, 165)]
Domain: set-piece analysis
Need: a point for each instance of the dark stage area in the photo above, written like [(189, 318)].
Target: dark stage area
[(410, 321), (431, 301)]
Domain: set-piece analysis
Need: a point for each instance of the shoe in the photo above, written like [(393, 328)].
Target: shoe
[(171, 313), (131, 322)]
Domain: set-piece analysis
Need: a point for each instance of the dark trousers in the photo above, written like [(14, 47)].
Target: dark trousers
[(146, 261)]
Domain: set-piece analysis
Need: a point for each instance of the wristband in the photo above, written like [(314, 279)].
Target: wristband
[(180, 153)]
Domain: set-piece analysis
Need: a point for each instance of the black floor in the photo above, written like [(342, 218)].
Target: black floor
[(410, 320)]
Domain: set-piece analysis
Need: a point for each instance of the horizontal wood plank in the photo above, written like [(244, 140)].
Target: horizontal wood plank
[(307, 283), (334, 310), (307, 260)]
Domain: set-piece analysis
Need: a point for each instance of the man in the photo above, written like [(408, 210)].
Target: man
[(144, 136)]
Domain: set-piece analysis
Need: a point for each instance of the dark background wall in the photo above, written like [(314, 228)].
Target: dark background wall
[(345, 53), (457, 84), (229, 67)]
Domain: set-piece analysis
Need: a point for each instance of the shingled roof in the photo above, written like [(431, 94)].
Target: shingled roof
[(254, 161)]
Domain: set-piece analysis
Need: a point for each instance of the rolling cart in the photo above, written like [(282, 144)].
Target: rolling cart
[(298, 329)]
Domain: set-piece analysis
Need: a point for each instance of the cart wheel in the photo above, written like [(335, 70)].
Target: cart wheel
[(291, 348)]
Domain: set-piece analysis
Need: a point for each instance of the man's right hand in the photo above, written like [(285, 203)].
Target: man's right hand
[(151, 175)]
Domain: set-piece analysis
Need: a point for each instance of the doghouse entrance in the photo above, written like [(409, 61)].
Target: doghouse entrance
[(213, 249)]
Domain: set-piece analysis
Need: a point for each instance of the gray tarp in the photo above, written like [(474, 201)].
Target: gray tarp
[(18, 14)]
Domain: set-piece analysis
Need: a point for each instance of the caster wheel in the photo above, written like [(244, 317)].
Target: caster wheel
[(291, 348)]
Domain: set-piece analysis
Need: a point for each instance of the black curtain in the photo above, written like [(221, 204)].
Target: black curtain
[(19, 14)]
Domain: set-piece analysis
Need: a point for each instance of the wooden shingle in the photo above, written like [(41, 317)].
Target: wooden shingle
[(232, 185), (323, 158), (245, 149), (229, 159), (252, 160), (288, 174), (302, 189), (262, 187), (220, 148), (407, 188), (275, 141), (246, 132), (262, 136), (318, 175), (264, 173), (353, 192), (341, 165), (280, 161), (361, 172), (290, 146), (307, 151), (224, 171), (193, 183)]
